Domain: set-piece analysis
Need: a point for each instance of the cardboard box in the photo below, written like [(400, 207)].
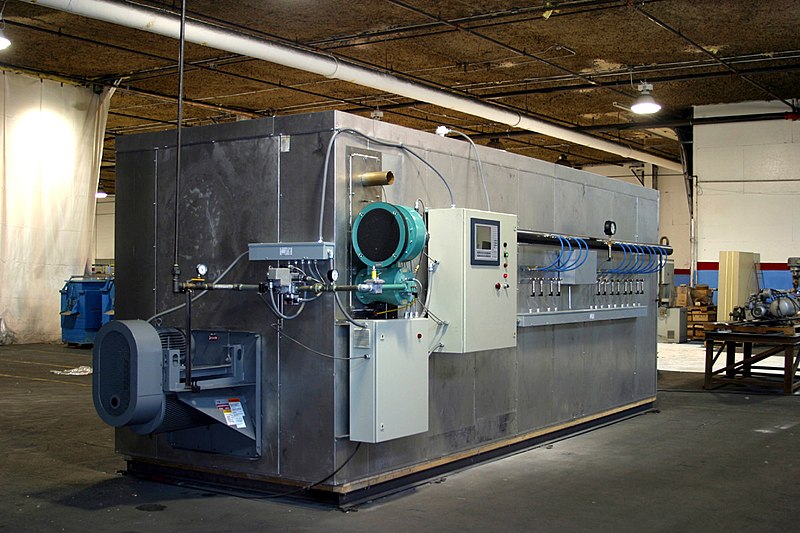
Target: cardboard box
[(702, 295), (683, 296), (703, 317)]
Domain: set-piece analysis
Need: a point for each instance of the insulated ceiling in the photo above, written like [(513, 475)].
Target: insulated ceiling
[(573, 63)]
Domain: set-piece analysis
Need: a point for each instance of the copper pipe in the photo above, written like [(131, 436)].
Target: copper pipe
[(376, 179)]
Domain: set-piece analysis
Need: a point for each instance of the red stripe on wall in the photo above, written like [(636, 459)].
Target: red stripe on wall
[(682, 271), (713, 265)]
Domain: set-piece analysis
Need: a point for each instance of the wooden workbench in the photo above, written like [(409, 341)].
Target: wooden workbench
[(747, 370)]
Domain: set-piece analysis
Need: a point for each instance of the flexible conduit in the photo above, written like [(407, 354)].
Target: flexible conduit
[(168, 25)]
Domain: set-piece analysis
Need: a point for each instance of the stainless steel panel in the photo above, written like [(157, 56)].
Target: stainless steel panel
[(536, 193), (525, 320), (571, 207), (240, 188)]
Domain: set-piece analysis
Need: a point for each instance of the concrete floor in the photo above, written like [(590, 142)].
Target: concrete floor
[(706, 461)]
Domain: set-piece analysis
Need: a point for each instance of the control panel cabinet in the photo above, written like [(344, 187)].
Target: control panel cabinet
[(388, 379), (474, 286)]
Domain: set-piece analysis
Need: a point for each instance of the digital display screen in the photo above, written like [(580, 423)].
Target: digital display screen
[(485, 237)]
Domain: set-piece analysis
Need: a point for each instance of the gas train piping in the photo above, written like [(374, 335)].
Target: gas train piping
[(384, 237)]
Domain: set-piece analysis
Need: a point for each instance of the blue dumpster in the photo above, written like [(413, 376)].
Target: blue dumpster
[(86, 304)]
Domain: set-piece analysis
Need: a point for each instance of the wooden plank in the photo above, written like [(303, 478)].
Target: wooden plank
[(702, 308), (388, 476), (756, 329), (702, 317)]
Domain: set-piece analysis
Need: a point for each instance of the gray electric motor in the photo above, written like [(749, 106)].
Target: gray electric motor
[(128, 389)]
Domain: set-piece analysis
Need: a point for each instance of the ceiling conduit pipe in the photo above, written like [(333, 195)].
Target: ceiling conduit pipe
[(168, 25)]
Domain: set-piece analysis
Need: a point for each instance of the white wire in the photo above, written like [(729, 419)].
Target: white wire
[(273, 306), (480, 166), (202, 293), (312, 350)]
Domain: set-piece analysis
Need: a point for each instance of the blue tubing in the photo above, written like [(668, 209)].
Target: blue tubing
[(573, 265), (554, 263)]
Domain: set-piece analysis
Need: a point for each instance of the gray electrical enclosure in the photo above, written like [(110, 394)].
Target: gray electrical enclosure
[(570, 340), (388, 379)]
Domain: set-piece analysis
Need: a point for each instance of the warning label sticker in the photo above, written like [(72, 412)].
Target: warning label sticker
[(233, 410)]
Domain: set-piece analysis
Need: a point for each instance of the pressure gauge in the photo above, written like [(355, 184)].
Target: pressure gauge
[(201, 269), (333, 275), (610, 228)]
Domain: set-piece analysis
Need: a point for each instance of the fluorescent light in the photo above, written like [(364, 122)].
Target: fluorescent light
[(4, 41), (101, 194)]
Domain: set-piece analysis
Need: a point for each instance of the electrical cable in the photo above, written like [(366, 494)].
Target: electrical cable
[(428, 295), (345, 313), (412, 302), (325, 181), (410, 151), (273, 306), (355, 133), (312, 350), (303, 272), (275, 496), (480, 165), (200, 294)]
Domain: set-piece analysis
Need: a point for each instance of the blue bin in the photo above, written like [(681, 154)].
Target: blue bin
[(86, 304)]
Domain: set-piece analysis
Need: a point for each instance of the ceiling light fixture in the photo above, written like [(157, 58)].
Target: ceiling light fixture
[(101, 194), (5, 42), (496, 143), (564, 161), (645, 104)]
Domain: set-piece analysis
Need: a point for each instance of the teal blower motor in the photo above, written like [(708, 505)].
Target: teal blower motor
[(385, 236)]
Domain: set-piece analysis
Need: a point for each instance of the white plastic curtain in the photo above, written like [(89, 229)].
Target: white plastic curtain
[(52, 140)]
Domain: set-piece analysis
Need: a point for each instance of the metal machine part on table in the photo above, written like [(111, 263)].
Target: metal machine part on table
[(385, 307), (773, 304)]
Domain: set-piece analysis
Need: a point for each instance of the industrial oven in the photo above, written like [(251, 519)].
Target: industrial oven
[(358, 304)]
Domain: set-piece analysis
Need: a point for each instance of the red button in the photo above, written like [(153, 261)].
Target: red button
[(505, 275), (497, 286)]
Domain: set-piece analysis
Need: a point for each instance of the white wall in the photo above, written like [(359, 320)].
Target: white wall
[(674, 206), (104, 230), (748, 177)]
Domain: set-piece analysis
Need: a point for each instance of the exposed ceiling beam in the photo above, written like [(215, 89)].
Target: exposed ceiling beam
[(664, 25), (167, 25), (651, 79), (501, 44), (75, 80)]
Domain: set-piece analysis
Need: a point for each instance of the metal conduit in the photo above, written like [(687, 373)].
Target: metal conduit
[(167, 25)]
